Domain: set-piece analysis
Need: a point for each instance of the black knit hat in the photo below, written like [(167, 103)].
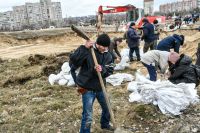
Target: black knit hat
[(103, 40), (183, 39)]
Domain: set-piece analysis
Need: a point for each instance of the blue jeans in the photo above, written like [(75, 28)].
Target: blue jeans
[(88, 100), (152, 71)]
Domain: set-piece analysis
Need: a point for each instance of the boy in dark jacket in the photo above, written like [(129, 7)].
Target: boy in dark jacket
[(133, 42), (148, 35), (171, 42), (88, 82), (183, 71), (113, 48)]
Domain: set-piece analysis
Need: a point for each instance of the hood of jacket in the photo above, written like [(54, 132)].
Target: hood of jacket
[(177, 37), (184, 60)]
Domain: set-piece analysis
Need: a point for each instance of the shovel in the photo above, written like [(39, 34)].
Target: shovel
[(84, 36)]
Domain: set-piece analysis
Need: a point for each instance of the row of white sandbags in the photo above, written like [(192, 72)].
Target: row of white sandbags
[(170, 98), (65, 78)]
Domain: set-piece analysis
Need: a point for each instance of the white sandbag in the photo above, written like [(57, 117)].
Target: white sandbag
[(125, 59), (71, 82), (65, 68), (170, 98), (52, 79), (118, 78), (64, 77), (123, 64), (62, 81), (132, 86), (67, 77)]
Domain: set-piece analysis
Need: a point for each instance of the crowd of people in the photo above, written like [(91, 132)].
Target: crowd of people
[(162, 57)]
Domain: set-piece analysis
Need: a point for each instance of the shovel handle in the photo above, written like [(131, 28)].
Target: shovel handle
[(104, 89)]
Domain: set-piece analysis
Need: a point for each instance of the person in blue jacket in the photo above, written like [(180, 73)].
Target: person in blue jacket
[(148, 35), (171, 42), (133, 40)]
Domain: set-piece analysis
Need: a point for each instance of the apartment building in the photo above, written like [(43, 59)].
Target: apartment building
[(184, 5), (38, 15)]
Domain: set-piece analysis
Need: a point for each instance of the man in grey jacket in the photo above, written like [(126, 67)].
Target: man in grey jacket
[(155, 59)]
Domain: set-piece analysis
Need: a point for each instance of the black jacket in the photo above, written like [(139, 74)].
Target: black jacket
[(183, 71), (148, 33), (87, 78), (133, 38)]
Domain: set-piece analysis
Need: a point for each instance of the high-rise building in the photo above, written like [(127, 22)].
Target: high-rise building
[(184, 5), (148, 7), (34, 14)]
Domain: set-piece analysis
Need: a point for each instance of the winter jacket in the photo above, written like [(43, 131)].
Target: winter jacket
[(148, 33), (113, 49), (183, 71), (156, 58), (87, 77), (170, 42), (133, 38)]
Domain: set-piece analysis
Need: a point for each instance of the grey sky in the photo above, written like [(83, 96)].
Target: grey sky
[(82, 7)]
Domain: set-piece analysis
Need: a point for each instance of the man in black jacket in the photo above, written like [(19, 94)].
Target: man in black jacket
[(133, 42), (183, 71), (148, 35), (87, 79)]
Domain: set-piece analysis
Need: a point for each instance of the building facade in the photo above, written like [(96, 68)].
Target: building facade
[(184, 5), (33, 15), (148, 7), (198, 3)]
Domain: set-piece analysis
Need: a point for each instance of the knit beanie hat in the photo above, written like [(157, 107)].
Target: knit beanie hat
[(103, 40), (173, 57)]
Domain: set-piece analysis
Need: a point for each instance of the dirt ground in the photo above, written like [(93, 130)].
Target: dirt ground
[(28, 103)]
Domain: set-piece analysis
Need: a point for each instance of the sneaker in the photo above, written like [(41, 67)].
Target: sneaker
[(109, 128), (138, 59)]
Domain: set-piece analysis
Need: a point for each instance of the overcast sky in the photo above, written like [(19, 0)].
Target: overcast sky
[(82, 7)]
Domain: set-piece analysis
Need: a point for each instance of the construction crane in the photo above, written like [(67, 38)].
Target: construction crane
[(110, 9), (133, 14)]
